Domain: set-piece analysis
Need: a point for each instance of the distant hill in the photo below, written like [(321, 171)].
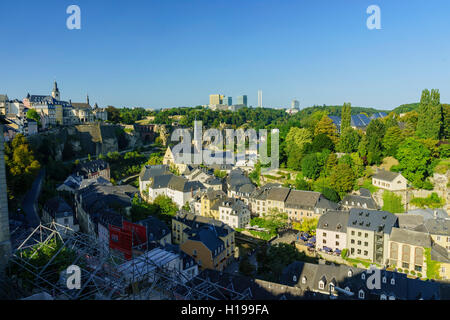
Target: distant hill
[(406, 107), (337, 110)]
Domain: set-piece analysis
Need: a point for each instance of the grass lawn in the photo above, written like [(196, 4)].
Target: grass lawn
[(368, 185)]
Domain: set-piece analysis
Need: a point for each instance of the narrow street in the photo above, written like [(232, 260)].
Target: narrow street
[(29, 203)]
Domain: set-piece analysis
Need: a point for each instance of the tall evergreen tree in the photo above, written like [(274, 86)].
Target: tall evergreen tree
[(346, 119), (327, 127), (429, 122)]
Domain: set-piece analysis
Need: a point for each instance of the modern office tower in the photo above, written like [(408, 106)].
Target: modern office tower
[(228, 101), (5, 243), (295, 104), (216, 99), (242, 100), (260, 99)]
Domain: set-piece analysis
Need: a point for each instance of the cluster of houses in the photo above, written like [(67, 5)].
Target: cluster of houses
[(405, 242), (51, 110)]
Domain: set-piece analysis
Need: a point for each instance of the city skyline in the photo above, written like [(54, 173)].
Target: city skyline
[(322, 53)]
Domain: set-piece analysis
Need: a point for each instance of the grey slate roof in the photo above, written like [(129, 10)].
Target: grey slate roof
[(429, 213), (278, 194), (439, 253), (402, 287), (411, 237), (334, 221), (302, 199), (354, 199), (58, 207), (93, 166), (409, 221), (156, 229), (195, 221), (148, 171), (210, 238), (386, 175), (379, 221), (436, 226)]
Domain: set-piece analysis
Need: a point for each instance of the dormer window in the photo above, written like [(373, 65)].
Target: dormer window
[(321, 285), (304, 280), (383, 297), (391, 297), (361, 294), (331, 287), (384, 279), (350, 273), (294, 278), (393, 281), (363, 276)]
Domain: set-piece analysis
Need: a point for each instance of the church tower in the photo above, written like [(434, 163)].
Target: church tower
[(55, 92), (5, 242)]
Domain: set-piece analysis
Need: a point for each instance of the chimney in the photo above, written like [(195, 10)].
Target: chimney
[(5, 242)]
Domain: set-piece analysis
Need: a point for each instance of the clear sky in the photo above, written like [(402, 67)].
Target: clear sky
[(162, 53)]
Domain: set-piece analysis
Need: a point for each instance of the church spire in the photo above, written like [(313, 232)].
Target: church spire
[(87, 98)]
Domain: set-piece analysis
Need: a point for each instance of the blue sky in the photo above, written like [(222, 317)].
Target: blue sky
[(162, 53)]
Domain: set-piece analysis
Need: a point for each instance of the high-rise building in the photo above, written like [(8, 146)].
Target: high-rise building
[(5, 241), (228, 101), (260, 103), (295, 104), (242, 100), (216, 99)]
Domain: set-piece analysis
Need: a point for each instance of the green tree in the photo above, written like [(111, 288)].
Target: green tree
[(375, 134), (21, 166), (33, 115), (331, 163), (346, 117), (391, 140), (301, 184), (429, 122), (310, 166), (295, 142), (414, 161), (349, 140), (446, 120), (327, 127), (342, 178)]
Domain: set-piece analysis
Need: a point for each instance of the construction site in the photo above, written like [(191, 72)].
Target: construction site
[(39, 264)]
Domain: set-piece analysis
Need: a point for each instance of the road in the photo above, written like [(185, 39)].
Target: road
[(29, 203), (233, 268)]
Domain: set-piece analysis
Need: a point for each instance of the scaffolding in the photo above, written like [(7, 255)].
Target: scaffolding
[(105, 274)]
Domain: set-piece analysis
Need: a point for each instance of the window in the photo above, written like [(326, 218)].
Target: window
[(359, 234), (366, 244), (363, 276), (337, 243), (361, 294), (383, 297), (337, 236), (352, 241), (359, 242), (392, 281), (359, 251), (353, 233), (324, 241), (331, 287), (366, 252), (405, 265), (304, 280), (321, 284), (294, 278), (194, 252), (366, 235), (384, 281)]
